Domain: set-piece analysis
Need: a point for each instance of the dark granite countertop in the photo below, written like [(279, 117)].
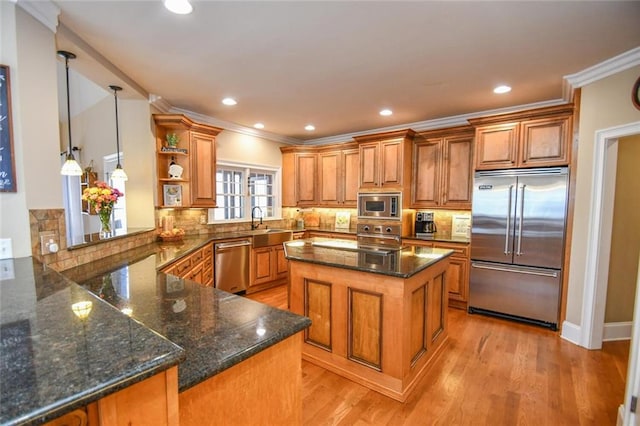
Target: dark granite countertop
[(216, 329), (51, 361), (443, 237), (347, 254)]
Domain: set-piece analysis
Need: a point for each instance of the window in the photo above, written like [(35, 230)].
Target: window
[(240, 188)]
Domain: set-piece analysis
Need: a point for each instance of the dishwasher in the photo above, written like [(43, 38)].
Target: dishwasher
[(231, 270)]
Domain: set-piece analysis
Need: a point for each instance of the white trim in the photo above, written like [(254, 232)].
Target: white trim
[(617, 331), (439, 123), (624, 61), (571, 332), (633, 367), (593, 305), (46, 12), (228, 125)]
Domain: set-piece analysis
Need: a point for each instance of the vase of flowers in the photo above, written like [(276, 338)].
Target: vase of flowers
[(101, 199)]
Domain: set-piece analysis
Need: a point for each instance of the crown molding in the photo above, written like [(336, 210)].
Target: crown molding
[(624, 61), (439, 123), (162, 105), (234, 127), (46, 12)]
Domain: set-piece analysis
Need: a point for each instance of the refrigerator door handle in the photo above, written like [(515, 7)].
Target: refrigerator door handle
[(521, 219), (528, 272), (508, 227)]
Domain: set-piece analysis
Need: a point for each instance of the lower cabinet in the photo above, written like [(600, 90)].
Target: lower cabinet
[(153, 401), (457, 272), (197, 266), (269, 268)]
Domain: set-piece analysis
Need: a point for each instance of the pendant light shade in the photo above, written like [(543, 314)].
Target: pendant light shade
[(118, 173), (71, 166)]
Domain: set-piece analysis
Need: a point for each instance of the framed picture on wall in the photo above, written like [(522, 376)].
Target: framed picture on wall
[(7, 162), (172, 195)]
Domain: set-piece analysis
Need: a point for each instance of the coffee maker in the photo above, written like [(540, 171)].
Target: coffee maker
[(425, 226)]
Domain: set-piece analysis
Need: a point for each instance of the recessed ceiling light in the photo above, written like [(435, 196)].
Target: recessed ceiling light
[(259, 126), (502, 89), (181, 7), (309, 127), (386, 112), (229, 101)]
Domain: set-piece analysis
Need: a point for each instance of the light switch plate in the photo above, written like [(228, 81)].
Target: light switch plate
[(6, 249), (7, 271)]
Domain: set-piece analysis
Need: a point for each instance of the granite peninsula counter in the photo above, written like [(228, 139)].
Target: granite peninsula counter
[(221, 345), (379, 316)]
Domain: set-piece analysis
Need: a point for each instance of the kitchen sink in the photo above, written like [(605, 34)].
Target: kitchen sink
[(270, 237)]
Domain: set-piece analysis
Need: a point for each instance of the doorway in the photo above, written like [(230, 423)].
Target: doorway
[(600, 226)]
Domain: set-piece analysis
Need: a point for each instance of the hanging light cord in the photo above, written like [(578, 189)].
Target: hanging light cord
[(66, 65), (115, 94)]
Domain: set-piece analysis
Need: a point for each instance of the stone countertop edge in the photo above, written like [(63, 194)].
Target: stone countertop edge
[(326, 255)]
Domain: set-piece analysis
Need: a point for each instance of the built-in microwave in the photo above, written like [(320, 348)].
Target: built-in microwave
[(380, 205)]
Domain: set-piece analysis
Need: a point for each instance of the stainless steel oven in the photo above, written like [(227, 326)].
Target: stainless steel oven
[(380, 205)]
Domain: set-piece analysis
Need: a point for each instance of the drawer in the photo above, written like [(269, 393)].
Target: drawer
[(207, 252), (459, 250), (207, 276), (182, 267), (197, 257)]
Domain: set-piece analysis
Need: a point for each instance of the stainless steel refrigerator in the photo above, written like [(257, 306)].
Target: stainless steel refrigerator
[(517, 243)]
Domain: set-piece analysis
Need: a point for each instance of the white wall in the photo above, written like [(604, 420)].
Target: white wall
[(604, 104), (28, 48), (232, 146)]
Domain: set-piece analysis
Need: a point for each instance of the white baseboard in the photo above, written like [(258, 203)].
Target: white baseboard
[(571, 332), (617, 331)]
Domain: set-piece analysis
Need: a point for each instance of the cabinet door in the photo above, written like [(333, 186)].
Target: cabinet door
[(457, 273), (497, 146), (306, 167), (282, 264), (545, 142), (350, 171), (426, 186), (261, 266), (288, 179), (391, 163), (203, 168), (456, 172), (329, 165), (369, 158)]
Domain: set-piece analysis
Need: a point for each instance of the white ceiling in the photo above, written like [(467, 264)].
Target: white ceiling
[(336, 64)]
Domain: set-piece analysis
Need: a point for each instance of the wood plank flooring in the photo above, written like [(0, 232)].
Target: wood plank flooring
[(492, 372)]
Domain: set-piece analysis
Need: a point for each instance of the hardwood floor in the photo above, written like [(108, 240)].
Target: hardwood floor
[(492, 372)]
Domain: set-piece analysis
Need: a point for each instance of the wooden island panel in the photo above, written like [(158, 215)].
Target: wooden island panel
[(383, 330)]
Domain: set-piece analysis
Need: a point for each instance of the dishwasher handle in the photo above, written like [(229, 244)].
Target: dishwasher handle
[(232, 244)]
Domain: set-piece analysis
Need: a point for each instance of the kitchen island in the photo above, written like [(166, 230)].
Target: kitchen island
[(215, 349), (379, 317)]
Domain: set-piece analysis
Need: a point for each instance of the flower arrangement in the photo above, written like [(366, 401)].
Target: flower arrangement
[(102, 198)]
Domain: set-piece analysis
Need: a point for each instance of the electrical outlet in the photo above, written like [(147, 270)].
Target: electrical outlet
[(7, 270), (48, 242), (6, 250)]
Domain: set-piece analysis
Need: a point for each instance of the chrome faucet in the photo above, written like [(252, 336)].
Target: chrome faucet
[(253, 217)]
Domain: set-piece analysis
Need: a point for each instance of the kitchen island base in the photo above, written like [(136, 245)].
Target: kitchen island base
[(378, 330)]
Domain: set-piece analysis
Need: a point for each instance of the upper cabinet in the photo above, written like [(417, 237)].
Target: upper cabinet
[(441, 168), (534, 138), (384, 160), (186, 171), (323, 176)]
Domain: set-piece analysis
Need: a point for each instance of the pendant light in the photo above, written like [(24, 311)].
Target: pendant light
[(118, 173), (71, 166)]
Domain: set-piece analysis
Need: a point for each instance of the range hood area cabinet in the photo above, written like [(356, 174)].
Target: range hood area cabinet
[(532, 138), (195, 154), (385, 160), (324, 176), (442, 164)]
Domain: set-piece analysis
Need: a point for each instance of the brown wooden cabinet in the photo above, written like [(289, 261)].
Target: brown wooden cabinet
[(457, 271), (194, 153), (384, 160), (533, 138), (269, 268), (338, 176), (442, 168), (87, 180), (323, 176), (197, 266)]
